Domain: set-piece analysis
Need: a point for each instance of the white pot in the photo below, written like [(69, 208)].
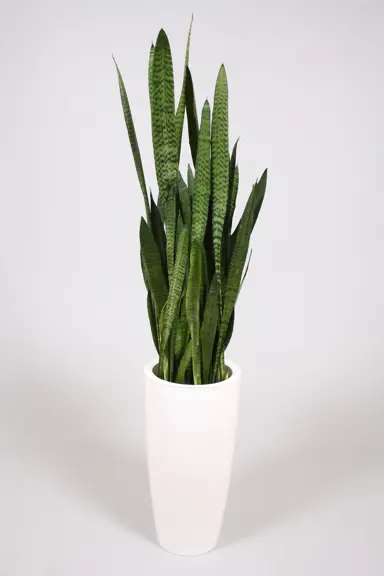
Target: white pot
[(190, 442)]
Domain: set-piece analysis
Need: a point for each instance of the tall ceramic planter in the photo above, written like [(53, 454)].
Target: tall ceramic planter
[(190, 442)]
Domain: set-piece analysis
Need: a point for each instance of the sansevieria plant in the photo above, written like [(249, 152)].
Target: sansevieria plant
[(193, 259)]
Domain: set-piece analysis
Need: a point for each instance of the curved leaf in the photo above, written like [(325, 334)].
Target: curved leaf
[(152, 320), (158, 232), (133, 141), (184, 364), (238, 259)]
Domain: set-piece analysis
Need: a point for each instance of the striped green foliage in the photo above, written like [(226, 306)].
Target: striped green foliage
[(193, 307), (176, 286), (133, 140), (193, 123), (193, 261), (220, 169), (163, 117), (202, 186), (181, 107)]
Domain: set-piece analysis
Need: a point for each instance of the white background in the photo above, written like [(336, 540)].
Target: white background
[(306, 96)]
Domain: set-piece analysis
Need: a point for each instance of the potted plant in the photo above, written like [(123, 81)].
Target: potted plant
[(193, 262)]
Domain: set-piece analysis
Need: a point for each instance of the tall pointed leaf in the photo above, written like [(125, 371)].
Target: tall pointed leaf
[(228, 221), (181, 336), (152, 320), (202, 188), (191, 181), (185, 202), (208, 329), (193, 123), (181, 107), (150, 70), (176, 286), (133, 141), (192, 304), (163, 118), (153, 268), (220, 169), (170, 224), (234, 190), (158, 232), (238, 259)]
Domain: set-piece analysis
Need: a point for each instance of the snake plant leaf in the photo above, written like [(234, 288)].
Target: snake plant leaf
[(193, 123), (202, 188), (163, 118), (158, 203), (153, 267), (209, 329), (158, 232), (145, 275), (233, 184), (176, 286), (152, 320), (150, 70), (179, 121), (185, 202), (184, 364), (191, 181), (179, 226), (192, 305), (170, 225), (220, 170), (133, 140), (238, 259), (229, 333), (246, 270), (228, 219), (181, 336)]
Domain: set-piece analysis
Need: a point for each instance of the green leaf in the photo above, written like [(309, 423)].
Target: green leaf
[(234, 190), (191, 182), (228, 220), (158, 232), (184, 364), (185, 202), (150, 76), (208, 330), (181, 336), (153, 268), (170, 225), (133, 141), (193, 308), (163, 118), (193, 123), (202, 188), (220, 170), (179, 121), (176, 286), (238, 259), (152, 320), (229, 333), (246, 270)]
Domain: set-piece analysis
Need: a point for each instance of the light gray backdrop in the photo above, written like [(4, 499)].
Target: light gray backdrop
[(306, 97)]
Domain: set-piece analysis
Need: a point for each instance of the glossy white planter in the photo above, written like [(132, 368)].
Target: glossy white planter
[(190, 442)]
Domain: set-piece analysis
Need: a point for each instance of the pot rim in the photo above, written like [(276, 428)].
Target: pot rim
[(235, 375)]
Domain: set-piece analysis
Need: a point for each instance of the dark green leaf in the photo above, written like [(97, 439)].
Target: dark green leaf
[(181, 107), (193, 308), (133, 141), (202, 188), (153, 268), (193, 123), (152, 320), (208, 330)]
